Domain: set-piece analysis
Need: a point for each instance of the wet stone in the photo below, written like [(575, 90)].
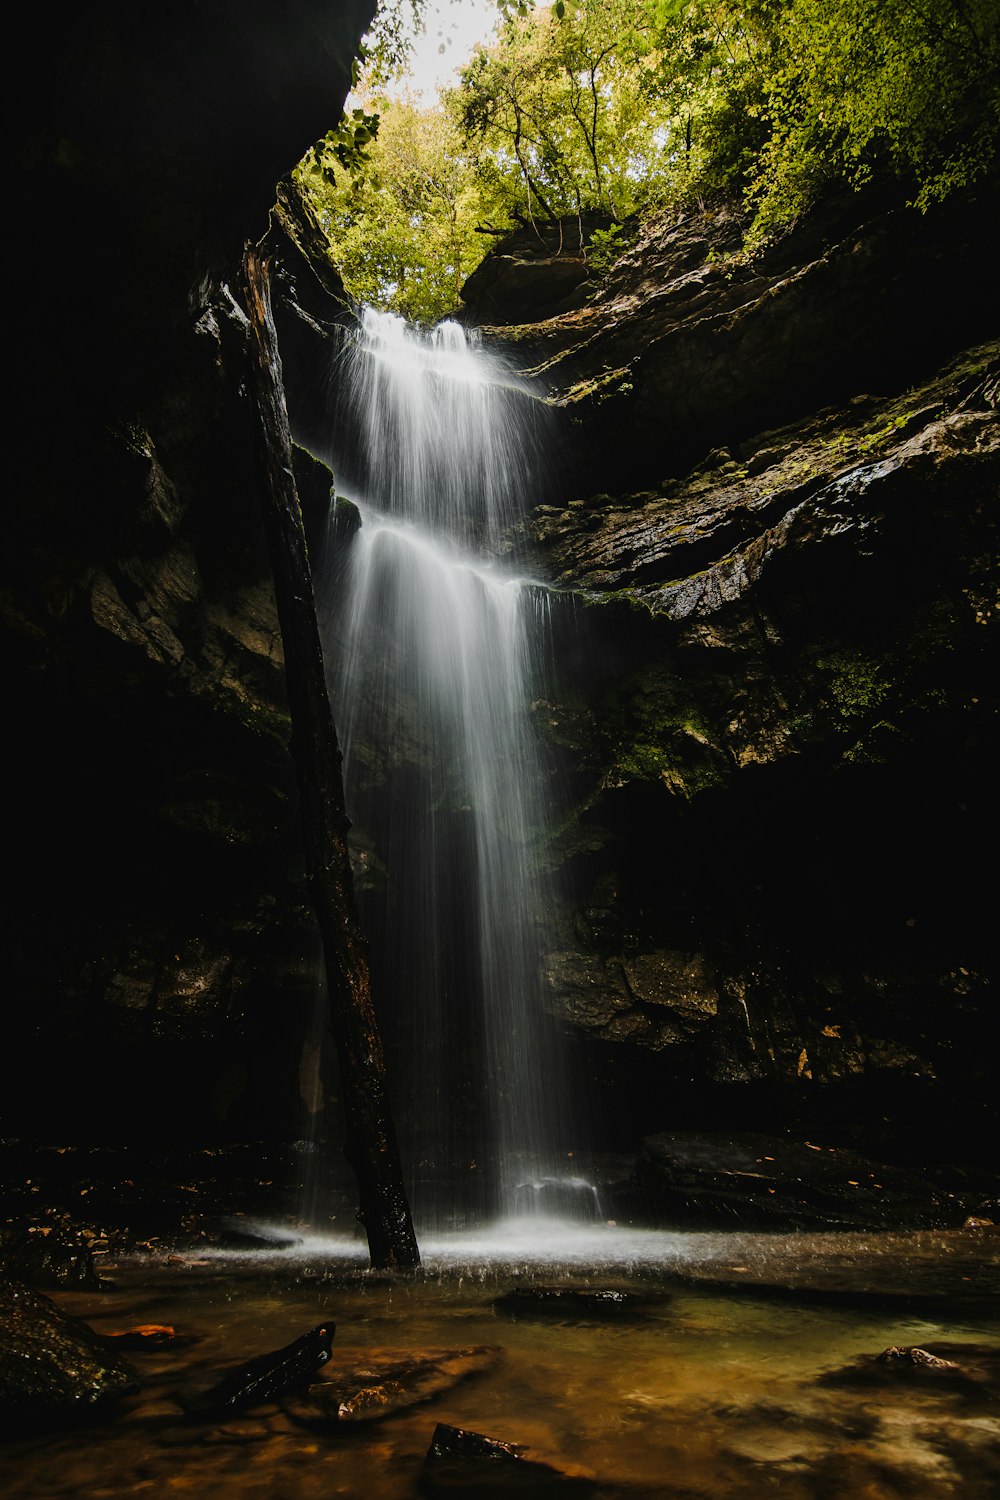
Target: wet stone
[(464, 1463), (746, 1180), (575, 1302), (564, 1197), (384, 1382), (965, 1369), (50, 1255), (53, 1368), (911, 1355)]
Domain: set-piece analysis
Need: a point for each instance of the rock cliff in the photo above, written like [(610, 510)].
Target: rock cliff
[(157, 922), (769, 538), (774, 716)]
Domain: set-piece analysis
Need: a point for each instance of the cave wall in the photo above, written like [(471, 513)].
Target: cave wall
[(161, 953)]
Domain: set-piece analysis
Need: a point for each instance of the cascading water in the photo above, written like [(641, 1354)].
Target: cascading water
[(434, 661)]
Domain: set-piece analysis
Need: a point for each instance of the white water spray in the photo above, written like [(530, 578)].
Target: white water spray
[(436, 654)]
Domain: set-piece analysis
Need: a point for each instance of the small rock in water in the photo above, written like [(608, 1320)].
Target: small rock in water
[(470, 1464), (578, 1301), (265, 1378), (382, 1383), (910, 1355), (969, 1370)]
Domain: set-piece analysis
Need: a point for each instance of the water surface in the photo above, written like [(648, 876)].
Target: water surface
[(710, 1393)]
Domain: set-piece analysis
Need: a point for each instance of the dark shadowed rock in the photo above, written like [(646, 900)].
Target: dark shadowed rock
[(53, 1368), (138, 621), (971, 1371), (532, 273), (655, 1000), (56, 1253), (767, 1181), (463, 1463)]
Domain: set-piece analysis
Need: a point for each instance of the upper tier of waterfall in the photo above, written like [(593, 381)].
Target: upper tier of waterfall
[(449, 439)]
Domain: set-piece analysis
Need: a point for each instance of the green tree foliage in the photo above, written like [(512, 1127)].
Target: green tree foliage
[(402, 224), (574, 108), (855, 88), (386, 48), (621, 107), (624, 106)]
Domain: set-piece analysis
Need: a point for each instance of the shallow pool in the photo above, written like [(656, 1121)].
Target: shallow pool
[(721, 1389)]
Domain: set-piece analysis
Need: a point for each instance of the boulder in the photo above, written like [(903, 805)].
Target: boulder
[(53, 1368), (532, 273)]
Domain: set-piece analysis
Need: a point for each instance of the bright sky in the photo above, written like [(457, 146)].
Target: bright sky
[(451, 30)]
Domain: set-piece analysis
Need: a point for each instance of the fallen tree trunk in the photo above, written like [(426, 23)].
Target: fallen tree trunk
[(370, 1146)]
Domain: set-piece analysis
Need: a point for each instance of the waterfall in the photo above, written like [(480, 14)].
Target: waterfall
[(435, 651)]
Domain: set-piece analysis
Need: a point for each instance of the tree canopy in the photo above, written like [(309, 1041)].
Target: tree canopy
[(619, 108)]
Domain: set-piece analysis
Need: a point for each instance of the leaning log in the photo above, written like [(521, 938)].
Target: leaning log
[(370, 1144)]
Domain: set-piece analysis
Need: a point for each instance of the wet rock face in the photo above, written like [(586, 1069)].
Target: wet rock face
[(772, 719), (533, 273), (53, 1369), (685, 346), (655, 1000)]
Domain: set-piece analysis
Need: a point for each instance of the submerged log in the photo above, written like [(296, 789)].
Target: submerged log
[(371, 1143), (265, 1378)]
